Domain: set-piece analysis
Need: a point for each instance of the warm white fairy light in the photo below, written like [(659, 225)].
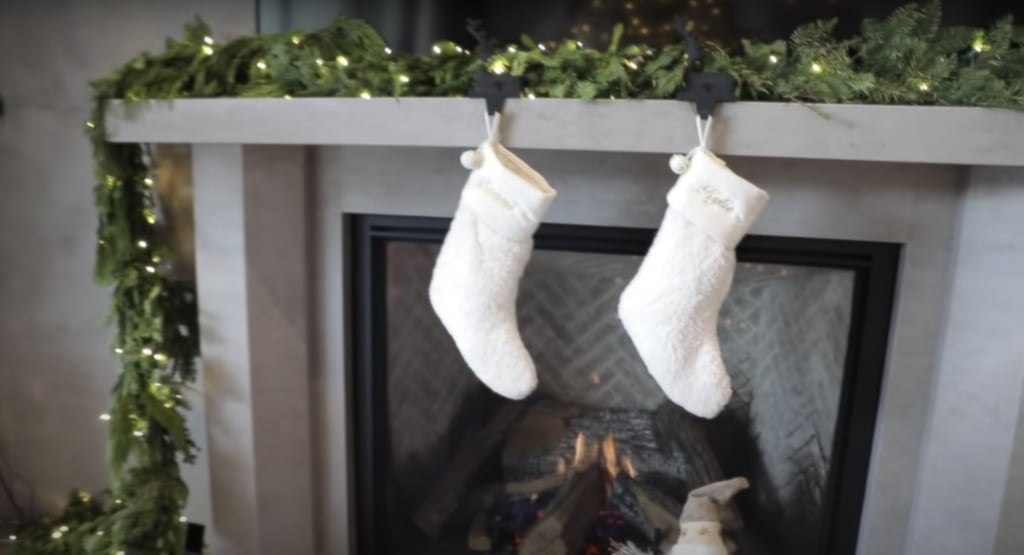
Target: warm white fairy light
[(105, 417), (773, 59), (119, 552), (118, 501), (287, 97), (119, 350), (208, 40), (342, 61), (816, 68), (142, 244), (296, 39), (387, 50), (511, 49), (531, 96), (160, 357), (261, 65), (90, 125), (13, 538), (207, 49), (364, 94), (151, 269), (542, 48), (138, 433), (631, 64), (403, 78), (147, 352), (498, 67), (319, 61), (148, 181), (182, 518), (579, 44), (56, 535), (64, 528), (923, 86), (436, 49), (458, 49)]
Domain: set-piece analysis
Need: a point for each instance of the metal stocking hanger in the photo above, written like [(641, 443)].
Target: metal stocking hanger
[(704, 89), (493, 88)]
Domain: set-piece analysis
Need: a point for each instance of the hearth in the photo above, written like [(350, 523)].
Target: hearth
[(597, 456)]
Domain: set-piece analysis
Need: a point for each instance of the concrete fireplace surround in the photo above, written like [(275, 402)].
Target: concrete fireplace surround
[(273, 180)]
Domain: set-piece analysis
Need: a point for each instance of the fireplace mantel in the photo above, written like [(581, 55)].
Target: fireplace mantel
[(912, 134), (275, 181)]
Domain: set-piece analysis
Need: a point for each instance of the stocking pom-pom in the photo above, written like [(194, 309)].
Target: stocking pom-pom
[(472, 160), (679, 163)]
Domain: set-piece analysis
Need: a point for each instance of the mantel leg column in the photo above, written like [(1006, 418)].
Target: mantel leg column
[(251, 267)]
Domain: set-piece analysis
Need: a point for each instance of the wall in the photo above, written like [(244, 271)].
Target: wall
[(55, 369)]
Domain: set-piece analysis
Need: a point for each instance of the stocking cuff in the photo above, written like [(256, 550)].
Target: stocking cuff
[(719, 202), (508, 195)]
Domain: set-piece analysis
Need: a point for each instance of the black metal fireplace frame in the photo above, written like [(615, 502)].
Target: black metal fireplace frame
[(875, 266)]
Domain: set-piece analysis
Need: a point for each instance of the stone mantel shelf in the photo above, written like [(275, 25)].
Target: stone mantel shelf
[(911, 134)]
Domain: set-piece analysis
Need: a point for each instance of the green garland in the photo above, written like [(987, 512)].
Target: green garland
[(905, 59)]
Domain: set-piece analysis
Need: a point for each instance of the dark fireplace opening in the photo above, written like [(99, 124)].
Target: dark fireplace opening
[(597, 457)]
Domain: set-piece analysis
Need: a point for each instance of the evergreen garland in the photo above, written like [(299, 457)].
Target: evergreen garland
[(907, 58)]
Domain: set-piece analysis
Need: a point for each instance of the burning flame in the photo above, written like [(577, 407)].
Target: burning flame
[(609, 456), (580, 454), (627, 465)]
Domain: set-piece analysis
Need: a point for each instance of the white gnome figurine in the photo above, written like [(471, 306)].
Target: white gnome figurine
[(700, 525)]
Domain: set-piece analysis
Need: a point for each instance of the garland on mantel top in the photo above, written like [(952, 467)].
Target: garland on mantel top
[(907, 58)]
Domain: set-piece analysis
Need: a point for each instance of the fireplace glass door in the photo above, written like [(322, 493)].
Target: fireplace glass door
[(598, 458)]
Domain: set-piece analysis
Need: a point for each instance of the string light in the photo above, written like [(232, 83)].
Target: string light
[(105, 417), (142, 244), (296, 39), (287, 97), (148, 181), (160, 357), (119, 350), (207, 49), (436, 49), (64, 528), (119, 552), (150, 269), (342, 61), (90, 125), (208, 40), (816, 68), (773, 59), (387, 50), (458, 49), (542, 48), (56, 535), (498, 67), (511, 49), (923, 86), (13, 538), (182, 518), (319, 61), (147, 352), (261, 65), (531, 96), (979, 45), (364, 94), (403, 78), (99, 532), (138, 433), (579, 44), (118, 501), (631, 64)]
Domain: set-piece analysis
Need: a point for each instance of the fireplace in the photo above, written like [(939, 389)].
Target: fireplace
[(288, 464), (597, 456)]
